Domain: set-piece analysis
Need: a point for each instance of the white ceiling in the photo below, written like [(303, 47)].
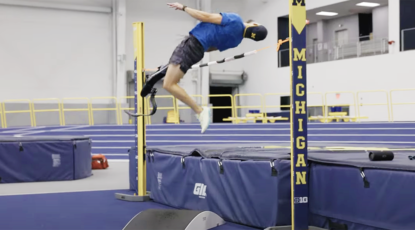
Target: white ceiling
[(343, 9)]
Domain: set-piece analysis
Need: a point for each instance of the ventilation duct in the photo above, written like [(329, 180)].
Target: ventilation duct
[(227, 78)]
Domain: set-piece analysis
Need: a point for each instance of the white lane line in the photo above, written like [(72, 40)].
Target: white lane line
[(58, 192), (99, 130), (28, 133), (209, 141), (23, 130), (110, 148), (276, 135), (287, 124), (111, 154), (115, 141), (265, 129), (70, 128), (115, 135)]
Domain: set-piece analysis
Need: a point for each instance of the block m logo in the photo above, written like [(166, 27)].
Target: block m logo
[(298, 2), (299, 56)]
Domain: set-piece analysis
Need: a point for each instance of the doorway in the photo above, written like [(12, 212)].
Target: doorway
[(342, 37), (219, 114)]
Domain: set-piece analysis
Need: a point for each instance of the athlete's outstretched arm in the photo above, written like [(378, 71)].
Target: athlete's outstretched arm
[(197, 14)]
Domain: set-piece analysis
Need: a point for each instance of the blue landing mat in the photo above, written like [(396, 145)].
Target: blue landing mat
[(98, 210), (44, 158)]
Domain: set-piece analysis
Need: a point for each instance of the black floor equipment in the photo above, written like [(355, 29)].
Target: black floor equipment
[(164, 219)]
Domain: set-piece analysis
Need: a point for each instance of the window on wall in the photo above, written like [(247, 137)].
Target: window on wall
[(342, 37)]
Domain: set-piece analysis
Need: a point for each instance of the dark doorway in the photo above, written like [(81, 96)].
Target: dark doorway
[(220, 114)]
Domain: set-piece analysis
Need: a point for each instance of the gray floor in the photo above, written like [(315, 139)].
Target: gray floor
[(113, 178)]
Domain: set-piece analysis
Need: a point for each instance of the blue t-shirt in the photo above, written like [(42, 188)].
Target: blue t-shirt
[(228, 34)]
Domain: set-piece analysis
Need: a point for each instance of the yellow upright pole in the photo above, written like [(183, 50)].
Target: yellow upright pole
[(298, 113), (141, 129)]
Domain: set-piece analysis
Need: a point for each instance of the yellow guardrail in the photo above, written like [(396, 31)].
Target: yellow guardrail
[(400, 103), (344, 92), (77, 110), (1, 115), (374, 104), (5, 112), (59, 109), (116, 109), (174, 107), (261, 106), (274, 106), (323, 103), (232, 107), (120, 108), (187, 107)]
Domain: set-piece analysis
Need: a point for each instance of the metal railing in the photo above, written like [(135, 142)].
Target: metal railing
[(331, 50), (88, 109), (261, 106), (173, 107), (352, 104), (120, 108), (59, 109), (387, 104), (411, 102), (1, 116), (262, 102), (267, 95), (323, 104), (232, 107), (116, 109), (29, 111)]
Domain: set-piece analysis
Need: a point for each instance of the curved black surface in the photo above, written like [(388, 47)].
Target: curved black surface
[(161, 219)]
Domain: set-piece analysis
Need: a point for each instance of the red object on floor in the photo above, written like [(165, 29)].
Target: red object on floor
[(99, 161)]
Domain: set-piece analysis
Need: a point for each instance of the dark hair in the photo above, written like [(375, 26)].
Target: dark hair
[(249, 21)]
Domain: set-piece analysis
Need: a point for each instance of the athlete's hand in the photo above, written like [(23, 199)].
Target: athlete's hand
[(176, 5)]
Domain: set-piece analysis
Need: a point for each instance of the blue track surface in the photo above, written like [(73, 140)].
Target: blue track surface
[(114, 141), (80, 211)]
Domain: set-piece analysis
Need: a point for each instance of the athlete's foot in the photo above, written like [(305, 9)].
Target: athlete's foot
[(204, 118)]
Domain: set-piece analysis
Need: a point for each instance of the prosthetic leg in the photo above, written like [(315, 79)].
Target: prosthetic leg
[(148, 88), (153, 79)]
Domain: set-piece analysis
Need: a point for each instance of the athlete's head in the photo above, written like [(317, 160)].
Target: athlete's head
[(255, 31)]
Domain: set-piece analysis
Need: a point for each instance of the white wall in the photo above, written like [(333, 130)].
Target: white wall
[(164, 27), (386, 72), (349, 23), (381, 22), (312, 33), (262, 69), (54, 53)]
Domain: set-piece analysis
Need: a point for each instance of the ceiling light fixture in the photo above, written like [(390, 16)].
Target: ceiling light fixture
[(323, 13), (368, 4)]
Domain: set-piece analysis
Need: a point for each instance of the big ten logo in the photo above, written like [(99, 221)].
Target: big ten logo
[(300, 200), (159, 178), (200, 190)]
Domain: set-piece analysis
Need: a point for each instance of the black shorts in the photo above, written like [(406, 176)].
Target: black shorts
[(187, 53)]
